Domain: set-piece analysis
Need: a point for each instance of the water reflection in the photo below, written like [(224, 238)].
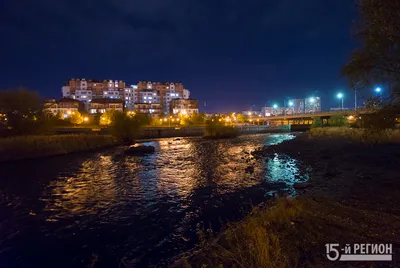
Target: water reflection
[(142, 210), (282, 168)]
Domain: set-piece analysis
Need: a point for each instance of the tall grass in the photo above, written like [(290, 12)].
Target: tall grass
[(293, 233), (21, 147), (253, 242), (357, 134)]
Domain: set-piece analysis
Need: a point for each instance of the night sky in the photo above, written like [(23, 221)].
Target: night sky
[(230, 53)]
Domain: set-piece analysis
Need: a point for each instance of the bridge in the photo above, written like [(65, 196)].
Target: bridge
[(303, 118)]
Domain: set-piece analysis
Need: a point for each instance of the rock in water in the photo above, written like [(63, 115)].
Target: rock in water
[(140, 150)]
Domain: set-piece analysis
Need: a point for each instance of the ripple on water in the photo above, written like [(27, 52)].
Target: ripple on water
[(140, 210)]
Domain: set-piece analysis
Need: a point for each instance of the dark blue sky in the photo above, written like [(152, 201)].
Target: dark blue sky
[(230, 53)]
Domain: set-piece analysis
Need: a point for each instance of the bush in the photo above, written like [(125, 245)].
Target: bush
[(338, 120), (39, 146), (380, 120), (317, 122), (126, 128), (358, 135)]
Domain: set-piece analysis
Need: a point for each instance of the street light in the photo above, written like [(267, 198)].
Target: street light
[(275, 106), (340, 96), (379, 91), (291, 103)]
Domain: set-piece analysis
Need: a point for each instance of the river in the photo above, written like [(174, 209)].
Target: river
[(111, 210)]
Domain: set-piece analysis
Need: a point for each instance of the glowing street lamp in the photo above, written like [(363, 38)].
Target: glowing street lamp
[(291, 103), (340, 96), (86, 119), (378, 90), (275, 106), (312, 100)]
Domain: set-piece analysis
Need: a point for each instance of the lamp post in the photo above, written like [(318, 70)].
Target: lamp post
[(275, 106), (378, 90), (340, 96)]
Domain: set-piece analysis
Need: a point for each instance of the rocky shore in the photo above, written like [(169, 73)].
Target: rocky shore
[(352, 196), (366, 175)]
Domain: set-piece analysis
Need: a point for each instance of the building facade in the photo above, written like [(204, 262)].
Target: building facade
[(152, 109), (308, 105), (165, 91), (184, 106), (87, 89), (145, 92), (99, 106), (63, 107)]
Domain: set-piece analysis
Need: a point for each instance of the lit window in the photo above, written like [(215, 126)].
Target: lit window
[(150, 98), (145, 97), (149, 101), (154, 94)]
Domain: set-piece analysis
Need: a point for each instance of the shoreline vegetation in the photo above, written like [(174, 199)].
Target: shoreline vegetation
[(24, 147), (352, 196)]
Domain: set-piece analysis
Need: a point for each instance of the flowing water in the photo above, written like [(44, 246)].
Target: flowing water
[(111, 210)]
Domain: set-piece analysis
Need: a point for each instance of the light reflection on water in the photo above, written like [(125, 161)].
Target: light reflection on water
[(140, 210)]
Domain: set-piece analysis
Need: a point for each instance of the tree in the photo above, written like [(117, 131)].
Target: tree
[(378, 29), (76, 118), (338, 120), (317, 122), (241, 118), (198, 119), (23, 110), (107, 117), (125, 128)]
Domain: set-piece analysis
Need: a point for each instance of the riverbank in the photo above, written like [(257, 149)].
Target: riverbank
[(352, 196), (23, 147)]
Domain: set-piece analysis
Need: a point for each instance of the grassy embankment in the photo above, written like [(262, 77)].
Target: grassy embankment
[(21, 147), (351, 198)]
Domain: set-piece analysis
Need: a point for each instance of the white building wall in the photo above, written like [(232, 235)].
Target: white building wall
[(112, 94), (83, 95), (131, 97), (168, 97), (66, 92), (149, 97), (186, 94)]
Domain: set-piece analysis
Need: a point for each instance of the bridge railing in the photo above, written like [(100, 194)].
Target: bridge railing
[(318, 112)]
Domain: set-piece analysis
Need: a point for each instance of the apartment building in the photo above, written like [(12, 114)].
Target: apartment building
[(145, 92), (63, 107), (184, 106), (87, 89), (99, 106), (166, 91), (131, 97), (153, 109)]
